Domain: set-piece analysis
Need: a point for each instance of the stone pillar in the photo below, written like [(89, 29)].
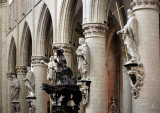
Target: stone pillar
[(125, 89), (10, 108), (21, 73), (67, 52), (95, 37), (40, 73), (147, 15)]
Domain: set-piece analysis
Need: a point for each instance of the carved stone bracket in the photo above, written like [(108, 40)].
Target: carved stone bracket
[(21, 69), (67, 48), (145, 2), (31, 104), (136, 74), (16, 106), (94, 30), (38, 59), (84, 88)]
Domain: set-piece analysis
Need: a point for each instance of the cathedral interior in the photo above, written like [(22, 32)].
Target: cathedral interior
[(113, 44)]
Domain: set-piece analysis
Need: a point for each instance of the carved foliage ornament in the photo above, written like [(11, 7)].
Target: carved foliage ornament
[(136, 73), (67, 48), (94, 30), (38, 59), (149, 2), (84, 88)]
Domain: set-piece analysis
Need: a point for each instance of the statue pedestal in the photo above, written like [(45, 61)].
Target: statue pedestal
[(136, 74), (16, 106), (31, 104), (84, 88)]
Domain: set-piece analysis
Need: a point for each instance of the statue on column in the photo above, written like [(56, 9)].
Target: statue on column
[(30, 82), (130, 36), (83, 58), (52, 68), (134, 66), (15, 88)]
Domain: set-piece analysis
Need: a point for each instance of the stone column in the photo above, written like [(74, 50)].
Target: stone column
[(10, 108), (147, 15), (40, 73), (21, 73), (125, 89), (95, 37)]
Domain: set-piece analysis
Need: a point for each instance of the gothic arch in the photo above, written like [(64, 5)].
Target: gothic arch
[(12, 57), (66, 18), (44, 33), (26, 46)]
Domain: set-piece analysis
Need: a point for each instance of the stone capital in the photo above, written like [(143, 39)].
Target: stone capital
[(37, 60), (92, 30), (143, 3), (67, 48), (21, 70)]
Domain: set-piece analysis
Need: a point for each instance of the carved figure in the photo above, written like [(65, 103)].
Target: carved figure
[(52, 68), (30, 82), (15, 87), (83, 58), (130, 35)]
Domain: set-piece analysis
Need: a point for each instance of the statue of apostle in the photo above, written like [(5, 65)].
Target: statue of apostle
[(130, 36), (15, 88), (83, 58), (30, 82)]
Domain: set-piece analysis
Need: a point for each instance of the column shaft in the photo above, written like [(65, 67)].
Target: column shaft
[(40, 73), (95, 38), (147, 14)]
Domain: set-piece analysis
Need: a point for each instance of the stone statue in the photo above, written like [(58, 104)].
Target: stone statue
[(83, 58), (130, 36), (15, 88), (30, 82), (52, 68)]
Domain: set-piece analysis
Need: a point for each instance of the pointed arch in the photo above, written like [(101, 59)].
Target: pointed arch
[(12, 56), (26, 46), (44, 33)]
